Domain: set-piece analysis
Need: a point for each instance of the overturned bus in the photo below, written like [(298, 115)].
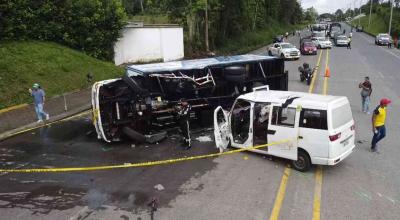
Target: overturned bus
[(140, 105)]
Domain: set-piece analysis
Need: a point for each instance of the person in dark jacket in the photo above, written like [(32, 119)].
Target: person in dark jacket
[(183, 114)]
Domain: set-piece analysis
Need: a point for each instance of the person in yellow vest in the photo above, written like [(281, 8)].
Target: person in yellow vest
[(378, 123)]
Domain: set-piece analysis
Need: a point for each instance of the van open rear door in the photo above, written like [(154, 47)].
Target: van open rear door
[(283, 125)]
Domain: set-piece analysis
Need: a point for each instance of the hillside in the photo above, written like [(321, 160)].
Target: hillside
[(378, 25), (56, 68)]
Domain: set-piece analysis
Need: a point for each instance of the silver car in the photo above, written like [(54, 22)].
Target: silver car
[(383, 39), (341, 40)]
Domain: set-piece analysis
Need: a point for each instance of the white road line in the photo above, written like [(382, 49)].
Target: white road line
[(388, 51), (381, 75)]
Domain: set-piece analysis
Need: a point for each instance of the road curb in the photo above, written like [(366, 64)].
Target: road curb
[(34, 125), (14, 107)]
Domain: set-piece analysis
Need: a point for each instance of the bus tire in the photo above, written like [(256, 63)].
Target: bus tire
[(303, 162), (133, 135)]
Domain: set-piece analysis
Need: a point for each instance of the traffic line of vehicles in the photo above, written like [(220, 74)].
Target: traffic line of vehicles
[(320, 38)]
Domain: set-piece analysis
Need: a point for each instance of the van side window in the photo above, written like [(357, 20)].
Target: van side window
[(312, 118), (283, 116)]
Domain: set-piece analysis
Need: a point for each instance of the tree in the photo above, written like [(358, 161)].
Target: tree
[(339, 15), (88, 25), (310, 14)]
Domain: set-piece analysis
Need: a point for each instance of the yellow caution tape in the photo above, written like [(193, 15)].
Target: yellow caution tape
[(143, 164)]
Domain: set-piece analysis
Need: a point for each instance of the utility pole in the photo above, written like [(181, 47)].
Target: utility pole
[(391, 15), (370, 11), (206, 27), (359, 14)]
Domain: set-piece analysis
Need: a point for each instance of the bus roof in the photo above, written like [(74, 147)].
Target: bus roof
[(196, 64)]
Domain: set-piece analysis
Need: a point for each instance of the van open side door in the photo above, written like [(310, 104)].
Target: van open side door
[(283, 125), (221, 128)]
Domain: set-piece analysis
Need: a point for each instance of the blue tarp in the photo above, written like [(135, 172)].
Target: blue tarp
[(197, 64)]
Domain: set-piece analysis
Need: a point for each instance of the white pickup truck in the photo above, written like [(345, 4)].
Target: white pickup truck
[(284, 50)]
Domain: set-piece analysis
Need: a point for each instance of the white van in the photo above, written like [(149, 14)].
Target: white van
[(321, 128)]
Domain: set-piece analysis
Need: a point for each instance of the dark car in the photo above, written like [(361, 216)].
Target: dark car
[(383, 39), (140, 105), (278, 39), (359, 29), (308, 47)]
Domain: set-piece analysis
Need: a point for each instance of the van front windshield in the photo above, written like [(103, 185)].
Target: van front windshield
[(341, 116)]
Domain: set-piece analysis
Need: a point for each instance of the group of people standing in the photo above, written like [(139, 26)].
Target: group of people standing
[(378, 115)]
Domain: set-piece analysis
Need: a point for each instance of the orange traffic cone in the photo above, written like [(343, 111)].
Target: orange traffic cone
[(327, 72)]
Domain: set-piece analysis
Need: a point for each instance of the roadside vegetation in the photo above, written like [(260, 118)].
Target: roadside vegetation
[(377, 26), (234, 26), (57, 68), (380, 17), (253, 40), (91, 26)]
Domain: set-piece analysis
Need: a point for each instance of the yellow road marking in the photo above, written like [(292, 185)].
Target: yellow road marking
[(285, 177), (318, 174), (281, 195), (310, 90), (4, 110), (144, 164), (317, 194)]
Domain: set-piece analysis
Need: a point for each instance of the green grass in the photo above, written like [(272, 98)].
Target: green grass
[(255, 39), (377, 26), (56, 68)]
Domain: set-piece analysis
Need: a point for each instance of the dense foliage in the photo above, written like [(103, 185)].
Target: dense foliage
[(88, 25)]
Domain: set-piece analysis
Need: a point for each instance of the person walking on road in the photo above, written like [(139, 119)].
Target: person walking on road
[(366, 90), (378, 123), (349, 43), (38, 99)]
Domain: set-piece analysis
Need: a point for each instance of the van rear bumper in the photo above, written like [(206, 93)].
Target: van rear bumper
[(333, 161)]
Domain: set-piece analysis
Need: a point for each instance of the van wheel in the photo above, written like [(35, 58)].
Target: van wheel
[(303, 162)]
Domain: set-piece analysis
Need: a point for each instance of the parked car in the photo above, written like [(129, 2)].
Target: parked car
[(319, 129), (308, 47), (322, 43), (341, 40), (359, 29), (383, 39), (284, 50), (140, 105)]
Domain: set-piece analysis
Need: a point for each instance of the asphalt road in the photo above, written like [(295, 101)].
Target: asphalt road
[(240, 186)]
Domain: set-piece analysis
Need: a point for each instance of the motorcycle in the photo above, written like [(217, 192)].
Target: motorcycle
[(306, 73)]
